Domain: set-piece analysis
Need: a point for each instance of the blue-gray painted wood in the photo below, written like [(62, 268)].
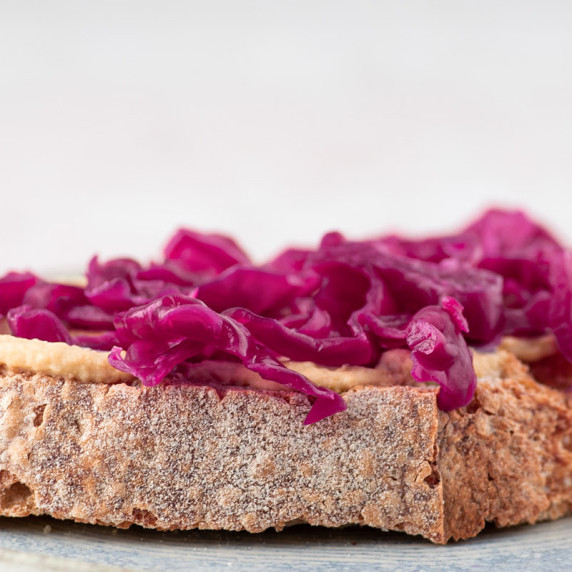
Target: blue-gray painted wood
[(547, 546)]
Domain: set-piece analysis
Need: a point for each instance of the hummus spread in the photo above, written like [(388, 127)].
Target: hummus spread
[(59, 360), (530, 349), (85, 365)]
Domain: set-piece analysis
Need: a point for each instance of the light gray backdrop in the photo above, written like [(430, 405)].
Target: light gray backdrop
[(275, 121)]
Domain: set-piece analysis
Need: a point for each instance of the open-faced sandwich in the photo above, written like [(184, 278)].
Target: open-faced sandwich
[(415, 385)]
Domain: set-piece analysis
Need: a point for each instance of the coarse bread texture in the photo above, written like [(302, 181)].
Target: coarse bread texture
[(182, 457)]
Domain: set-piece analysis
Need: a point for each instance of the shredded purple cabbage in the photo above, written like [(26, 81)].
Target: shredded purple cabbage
[(439, 353), (30, 323), (207, 254), (163, 334), (13, 288), (345, 302)]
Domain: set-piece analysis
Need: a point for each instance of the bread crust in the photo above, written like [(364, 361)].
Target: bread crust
[(182, 457), (506, 458)]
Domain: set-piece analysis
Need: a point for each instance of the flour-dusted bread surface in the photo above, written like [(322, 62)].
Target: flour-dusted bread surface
[(181, 457), (174, 457)]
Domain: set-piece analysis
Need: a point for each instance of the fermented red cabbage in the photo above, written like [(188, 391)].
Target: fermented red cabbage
[(440, 353), (69, 303), (262, 291), (344, 302), (165, 333), (209, 254), (27, 322), (13, 288)]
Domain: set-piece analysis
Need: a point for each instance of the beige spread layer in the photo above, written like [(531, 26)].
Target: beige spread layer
[(58, 359), (85, 365)]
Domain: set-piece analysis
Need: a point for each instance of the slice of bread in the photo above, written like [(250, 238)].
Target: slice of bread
[(182, 457)]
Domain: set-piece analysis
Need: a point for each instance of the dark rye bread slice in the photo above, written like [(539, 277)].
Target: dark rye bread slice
[(174, 457)]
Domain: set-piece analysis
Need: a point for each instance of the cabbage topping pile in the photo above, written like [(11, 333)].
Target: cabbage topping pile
[(344, 302)]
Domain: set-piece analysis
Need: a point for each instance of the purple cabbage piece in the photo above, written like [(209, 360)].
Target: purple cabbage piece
[(508, 234), (110, 285), (13, 288), (291, 261), (262, 291), (103, 341), (560, 305), (283, 341), (208, 254), (440, 353), (166, 332), (30, 323), (57, 298), (527, 262), (170, 272), (39, 323), (69, 304), (409, 284), (536, 273), (122, 283)]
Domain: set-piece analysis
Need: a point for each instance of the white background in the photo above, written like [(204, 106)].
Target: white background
[(275, 121)]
